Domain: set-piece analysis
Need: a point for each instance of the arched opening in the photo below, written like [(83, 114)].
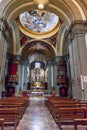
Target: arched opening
[(35, 37)]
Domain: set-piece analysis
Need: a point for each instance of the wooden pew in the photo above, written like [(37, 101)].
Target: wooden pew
[(82, 121), (20, 107), (68, 115), (50, 98), (57, 100), (57, 104), (71, 109), (10, 116), (67, 105), (12, 109), (2, 123), (15, 102)]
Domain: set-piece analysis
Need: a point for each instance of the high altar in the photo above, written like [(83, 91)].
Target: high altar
[(37, 90)]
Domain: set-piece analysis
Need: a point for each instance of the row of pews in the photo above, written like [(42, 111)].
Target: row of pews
[(67, 111), (12, 110)]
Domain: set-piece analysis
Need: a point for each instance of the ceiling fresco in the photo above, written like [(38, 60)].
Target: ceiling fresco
[(38, 21), (41, 23), (39, 47), (53, 39), (37, 57), (24, 39)]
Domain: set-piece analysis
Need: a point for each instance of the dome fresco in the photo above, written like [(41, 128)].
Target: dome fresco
[(38, 21)]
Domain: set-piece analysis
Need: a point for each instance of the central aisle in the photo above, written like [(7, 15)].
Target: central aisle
[(37, 117)]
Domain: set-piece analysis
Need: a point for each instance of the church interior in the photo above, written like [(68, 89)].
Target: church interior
[(43, 58)]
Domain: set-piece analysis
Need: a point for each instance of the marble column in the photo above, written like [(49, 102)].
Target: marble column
[(12, 76), (52, 75), (49, 76), (23, 76), (52, 82), (4, 43), (76, 38), (55, 75)]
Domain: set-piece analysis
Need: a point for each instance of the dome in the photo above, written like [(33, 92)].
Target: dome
[(38, 21)]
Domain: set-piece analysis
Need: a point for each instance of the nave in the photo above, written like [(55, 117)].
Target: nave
[(39, 114), (38, 117)]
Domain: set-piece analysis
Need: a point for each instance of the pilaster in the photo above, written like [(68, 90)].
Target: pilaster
[(4, 40), (78, 58)]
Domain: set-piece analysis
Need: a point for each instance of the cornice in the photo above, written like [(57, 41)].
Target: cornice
[(14, 58)]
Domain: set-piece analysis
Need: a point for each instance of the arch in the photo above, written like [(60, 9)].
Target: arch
[(63, 9), (38, 46), (67, 10)]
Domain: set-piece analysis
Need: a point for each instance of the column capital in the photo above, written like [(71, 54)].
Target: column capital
[(51, 63), (76, 28), (14, 58)]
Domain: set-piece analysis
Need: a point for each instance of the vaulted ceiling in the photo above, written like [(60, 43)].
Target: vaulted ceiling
[(50, 43)]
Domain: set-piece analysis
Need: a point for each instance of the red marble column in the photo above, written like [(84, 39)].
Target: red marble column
[(11, 78), (12, 72)]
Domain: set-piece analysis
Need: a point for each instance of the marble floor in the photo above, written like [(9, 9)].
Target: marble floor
[(37, 117)]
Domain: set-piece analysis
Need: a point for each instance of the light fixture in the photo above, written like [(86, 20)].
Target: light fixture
[(41, 4), (0, 1)]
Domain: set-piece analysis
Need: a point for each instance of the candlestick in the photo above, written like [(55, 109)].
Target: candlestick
[(52, 76), (82, 82)]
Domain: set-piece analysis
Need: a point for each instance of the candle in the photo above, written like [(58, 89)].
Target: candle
[(82, 82), (86, 39), (52, 76)]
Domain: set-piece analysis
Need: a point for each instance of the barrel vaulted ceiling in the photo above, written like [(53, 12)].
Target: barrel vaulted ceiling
[(66, 10)]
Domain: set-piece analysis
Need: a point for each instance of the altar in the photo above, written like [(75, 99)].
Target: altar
[(37, 85), (37, 95)]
